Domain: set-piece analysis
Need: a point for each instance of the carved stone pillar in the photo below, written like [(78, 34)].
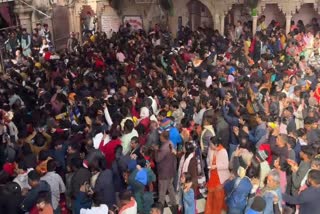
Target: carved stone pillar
[(254, 24), (216, 22), (77, 25), (72, 19), (222, 17), (288, 23)]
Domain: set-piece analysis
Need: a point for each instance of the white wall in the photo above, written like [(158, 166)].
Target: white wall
[(150, 13)]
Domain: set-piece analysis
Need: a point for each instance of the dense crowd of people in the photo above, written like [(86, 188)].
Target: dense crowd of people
[(115, 124)]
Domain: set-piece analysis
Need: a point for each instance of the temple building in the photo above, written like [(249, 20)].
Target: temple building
[(65, 16)]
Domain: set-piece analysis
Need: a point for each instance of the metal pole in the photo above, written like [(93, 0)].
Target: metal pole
[(1, 59)]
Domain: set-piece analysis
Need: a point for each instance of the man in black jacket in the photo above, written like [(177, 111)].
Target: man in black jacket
[(10, 198), (37, 186), (309, 198)]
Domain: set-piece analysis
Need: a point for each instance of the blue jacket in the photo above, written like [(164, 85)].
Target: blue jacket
[(175, 137), (237, 192), (187, 201), (82, 201), (268, 197), (256, 134), (297, 150), (232, 121)]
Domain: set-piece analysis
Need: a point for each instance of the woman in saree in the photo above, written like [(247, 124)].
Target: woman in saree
[(218, 163)]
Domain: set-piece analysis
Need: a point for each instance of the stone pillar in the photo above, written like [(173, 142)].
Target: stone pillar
[(222, 17), (77, 26), (216, 22), (254, 24), (288, 23), (71, 19)]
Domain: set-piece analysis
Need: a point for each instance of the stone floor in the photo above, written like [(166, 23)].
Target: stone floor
[(201, 204)]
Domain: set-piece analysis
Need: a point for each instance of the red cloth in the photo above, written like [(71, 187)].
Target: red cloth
[(142, 140), (59, 130), (317, 94), (253, 44), (34, 210), (47, 56), (134, 112), (151, 162), (146, 124), (99, 63), (109, 150), (130, 69), (186, 57), (9, 168), (266, 147)]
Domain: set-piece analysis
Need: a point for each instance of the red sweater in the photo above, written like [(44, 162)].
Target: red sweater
[(109, 150)]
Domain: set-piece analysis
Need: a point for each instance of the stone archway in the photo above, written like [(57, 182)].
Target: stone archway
[(199, 15), (306, 13), (219, 10), (238, 12), (273, 12), (86, 17)]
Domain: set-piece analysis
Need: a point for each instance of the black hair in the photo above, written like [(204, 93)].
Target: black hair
[(22, 165), (51, 165), (175, 104), (216, 141), (292, 142), (114, 132), (253, 170), (34, 175), (142, 162), (308, 150), (135, 139), (126, 195), (157, 206), (44, 196), (75, 146), (315, 176), (189, 148), (163, 113), (128, 125), (188, 177), (96, 199), (140, 129), (76, 163)]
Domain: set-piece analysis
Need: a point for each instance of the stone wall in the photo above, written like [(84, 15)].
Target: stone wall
[(280, 10)]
